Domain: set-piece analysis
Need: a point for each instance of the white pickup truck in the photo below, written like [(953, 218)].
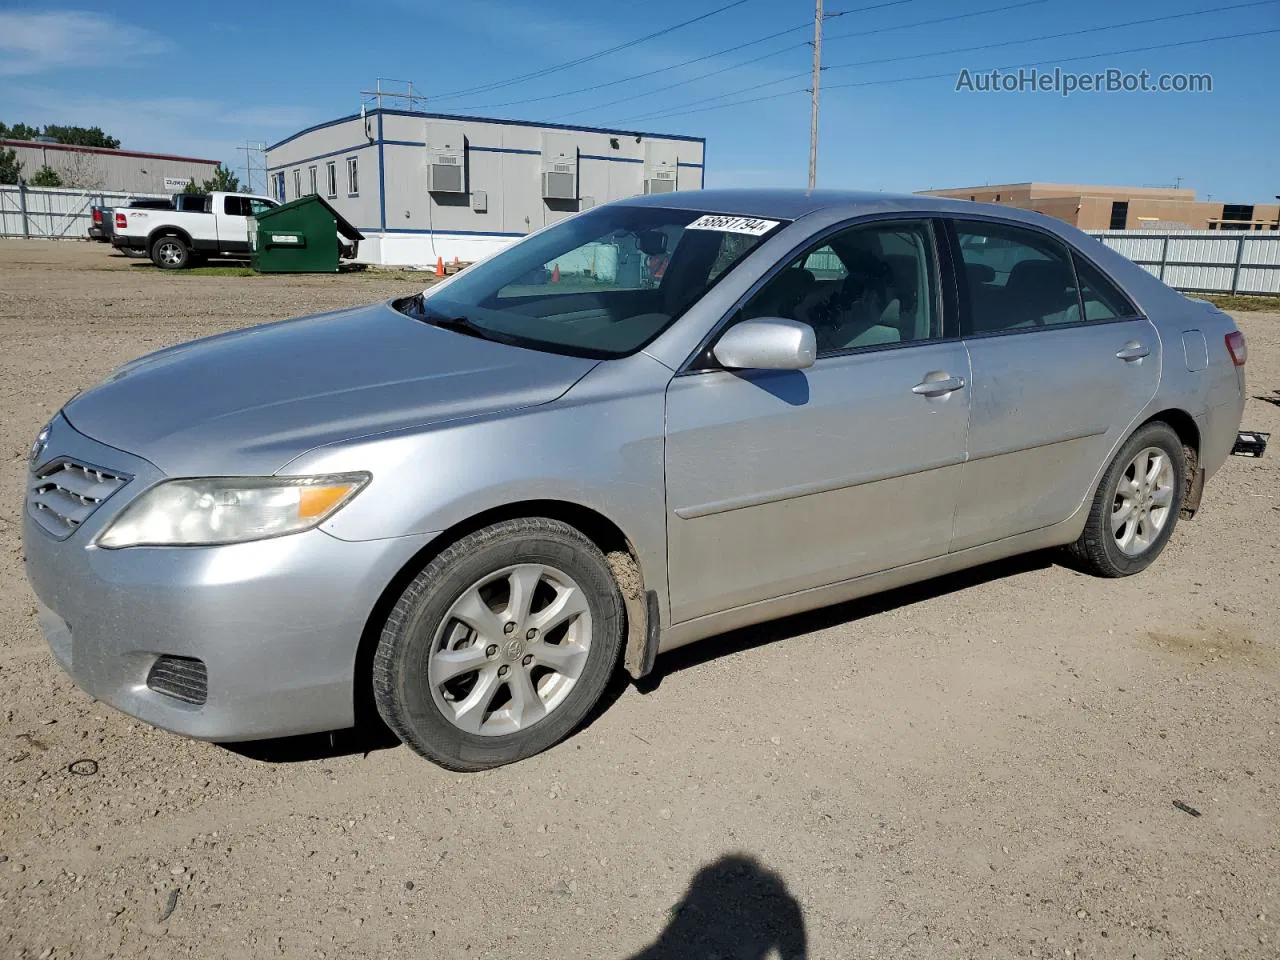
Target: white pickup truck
[(198, 226)]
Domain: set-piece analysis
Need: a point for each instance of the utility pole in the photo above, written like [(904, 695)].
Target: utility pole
[(254, 161), (817, 73)]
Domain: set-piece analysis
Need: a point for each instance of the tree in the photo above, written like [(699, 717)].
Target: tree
[(81, 136), (19, 131), (46, 176), (192, 187), (10, 166), (82, 170), (222, 180), (75, 136)]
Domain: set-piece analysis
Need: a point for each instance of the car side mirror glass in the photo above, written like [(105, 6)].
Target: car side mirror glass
[(767, 343)]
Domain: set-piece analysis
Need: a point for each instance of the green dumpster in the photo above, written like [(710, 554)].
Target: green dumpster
[(301, 236)]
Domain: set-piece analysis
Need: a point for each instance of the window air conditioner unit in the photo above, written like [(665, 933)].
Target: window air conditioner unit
[(446, 174), (662, 181), (446, 158), (559, 167), (560, 183), (661, 167)]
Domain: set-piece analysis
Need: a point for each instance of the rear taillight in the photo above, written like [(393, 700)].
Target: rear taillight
[(97, 215), (1237, 348), (121, 221)]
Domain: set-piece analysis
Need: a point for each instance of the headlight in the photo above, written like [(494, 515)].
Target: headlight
[(229, 510)]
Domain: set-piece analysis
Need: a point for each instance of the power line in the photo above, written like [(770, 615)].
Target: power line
[(649, 73), (804, 26), (1058, 60), (901, 26), (593, 56), (1055, 36), (681, 83), (952, 73), (970, 49), (936, 20), (736, 48)]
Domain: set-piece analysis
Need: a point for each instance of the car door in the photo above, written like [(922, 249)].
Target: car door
[(1062, 364), (233, 224), (781, 481)]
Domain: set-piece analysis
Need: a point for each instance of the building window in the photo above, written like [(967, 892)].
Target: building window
[(1236, 216), (353, 177), (1119, 214), (333, 178), (312, 171), (297, 184), (277, 182)]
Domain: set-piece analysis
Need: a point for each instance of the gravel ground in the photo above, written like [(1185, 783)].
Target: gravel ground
[(983, 766)]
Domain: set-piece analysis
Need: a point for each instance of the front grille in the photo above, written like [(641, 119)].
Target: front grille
[(64, 495), (183, 678)]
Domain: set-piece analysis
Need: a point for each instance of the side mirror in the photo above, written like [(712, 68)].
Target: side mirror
[(767, 343)]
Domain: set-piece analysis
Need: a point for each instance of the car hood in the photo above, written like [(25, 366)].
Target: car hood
[(249, 401)]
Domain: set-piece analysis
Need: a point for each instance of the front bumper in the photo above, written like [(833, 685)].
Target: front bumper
[(276, 622)]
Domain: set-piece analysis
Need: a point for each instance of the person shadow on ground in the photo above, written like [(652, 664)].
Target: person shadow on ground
[(734, 909)]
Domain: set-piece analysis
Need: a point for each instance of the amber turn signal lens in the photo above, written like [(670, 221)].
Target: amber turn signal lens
[(317, 501)]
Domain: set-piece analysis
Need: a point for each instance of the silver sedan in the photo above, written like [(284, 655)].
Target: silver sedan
[(650, 423)]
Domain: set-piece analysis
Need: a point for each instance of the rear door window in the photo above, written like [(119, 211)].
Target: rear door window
[(1101, 299), (1016, 279)]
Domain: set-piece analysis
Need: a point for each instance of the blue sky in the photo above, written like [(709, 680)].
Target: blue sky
[(166, 77)]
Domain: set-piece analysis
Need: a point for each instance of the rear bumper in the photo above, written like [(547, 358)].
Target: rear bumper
[(1219, 428), (128, 243), (276, 622)]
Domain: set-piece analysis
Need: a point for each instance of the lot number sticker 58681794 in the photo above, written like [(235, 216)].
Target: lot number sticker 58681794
[(749, 225)]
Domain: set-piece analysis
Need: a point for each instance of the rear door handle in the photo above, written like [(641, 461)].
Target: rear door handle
[(1133, 350), (936, 388)]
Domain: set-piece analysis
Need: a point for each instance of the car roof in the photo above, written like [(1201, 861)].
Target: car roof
[(792, 204)]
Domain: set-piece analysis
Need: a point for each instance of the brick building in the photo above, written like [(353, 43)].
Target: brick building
[(1122, 208)]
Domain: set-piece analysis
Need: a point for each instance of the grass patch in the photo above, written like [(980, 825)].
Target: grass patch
[(218, 272), (1226, 301)]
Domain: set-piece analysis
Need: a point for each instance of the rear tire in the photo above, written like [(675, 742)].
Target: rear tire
[(170, 253), (1137, 504), (500, 647)]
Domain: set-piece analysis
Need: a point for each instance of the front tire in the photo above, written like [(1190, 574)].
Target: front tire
[(170, 253), (1137, 504), (500, 647)]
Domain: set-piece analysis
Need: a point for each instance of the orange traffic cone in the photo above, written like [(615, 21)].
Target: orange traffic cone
[(555, 274), (439, 266)]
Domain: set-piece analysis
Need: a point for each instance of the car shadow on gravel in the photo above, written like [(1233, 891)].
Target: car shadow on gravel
[(735, 908), (317, 746), (758, 635)]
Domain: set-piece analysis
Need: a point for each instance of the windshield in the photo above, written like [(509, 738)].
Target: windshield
[(602, 284)]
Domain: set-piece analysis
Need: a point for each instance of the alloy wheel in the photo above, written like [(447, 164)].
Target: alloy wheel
[(1143, 501), (510, 649)]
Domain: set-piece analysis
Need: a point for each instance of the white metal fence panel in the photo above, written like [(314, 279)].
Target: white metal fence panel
[(1206, 261), (1261, 251), (53, 212)]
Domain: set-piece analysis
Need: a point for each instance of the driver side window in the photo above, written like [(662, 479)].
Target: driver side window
[(869, 286)]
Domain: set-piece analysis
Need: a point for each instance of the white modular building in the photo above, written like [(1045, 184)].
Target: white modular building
[(425, 186)]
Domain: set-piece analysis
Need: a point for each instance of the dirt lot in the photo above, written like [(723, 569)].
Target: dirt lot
[(981, 767)]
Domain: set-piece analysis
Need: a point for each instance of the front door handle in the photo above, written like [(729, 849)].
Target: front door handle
[(931, 387), (1133, 350)]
